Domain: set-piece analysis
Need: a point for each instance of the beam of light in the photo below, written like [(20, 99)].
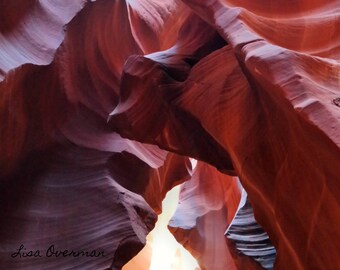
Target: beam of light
[(166, 252)]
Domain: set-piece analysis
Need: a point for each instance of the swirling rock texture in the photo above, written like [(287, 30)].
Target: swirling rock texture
[(249, 238), (103, 102), (206, 209)]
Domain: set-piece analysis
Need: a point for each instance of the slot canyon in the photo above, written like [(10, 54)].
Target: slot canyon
[(169, 134)]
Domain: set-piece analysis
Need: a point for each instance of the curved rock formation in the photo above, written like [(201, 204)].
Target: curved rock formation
[(59, 204), (205, 211), (31, 31), (249, 238), (273, 110), (67, 181), (103, 102)]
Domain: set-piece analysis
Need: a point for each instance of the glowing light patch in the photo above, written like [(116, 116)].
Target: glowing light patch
[(167, 253)]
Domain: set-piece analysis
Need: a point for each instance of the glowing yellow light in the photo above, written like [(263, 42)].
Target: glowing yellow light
[(167, 253)]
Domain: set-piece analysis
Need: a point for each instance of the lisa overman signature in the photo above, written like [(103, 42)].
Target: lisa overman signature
[(51, 251)]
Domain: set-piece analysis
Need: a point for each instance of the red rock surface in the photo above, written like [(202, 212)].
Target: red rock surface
[(205, 211), (248, 87)]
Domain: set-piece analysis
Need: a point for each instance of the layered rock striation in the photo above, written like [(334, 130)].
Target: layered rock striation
[(104, 103)]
